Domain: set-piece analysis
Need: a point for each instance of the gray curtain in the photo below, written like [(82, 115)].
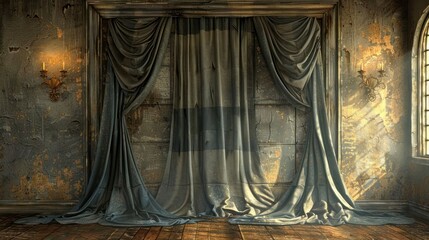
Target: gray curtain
[(291, 47), (116, 194), (213, 165)]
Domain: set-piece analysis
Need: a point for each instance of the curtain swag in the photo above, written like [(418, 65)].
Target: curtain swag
[(291, 47), (212, 167), (115, 194)]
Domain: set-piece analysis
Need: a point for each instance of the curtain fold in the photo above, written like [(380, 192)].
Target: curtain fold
[(292, 60), (115, 194), (291, 47), (213, 166)]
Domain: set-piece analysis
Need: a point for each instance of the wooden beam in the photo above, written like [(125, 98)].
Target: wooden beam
[(210, 9), (39, 207)]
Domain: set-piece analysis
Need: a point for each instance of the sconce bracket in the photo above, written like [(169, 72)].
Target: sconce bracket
[(371, 83), (53, 83)]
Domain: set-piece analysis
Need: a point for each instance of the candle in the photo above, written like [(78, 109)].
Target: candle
[(381, 66), (361, 66), (63, 65), (43, 66)]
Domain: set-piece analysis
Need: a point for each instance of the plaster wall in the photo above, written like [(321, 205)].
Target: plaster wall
[(41, 142), (418, 168), (375, 134)]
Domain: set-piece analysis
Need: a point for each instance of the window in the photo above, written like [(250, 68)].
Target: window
[(420, 64), (424, 83)]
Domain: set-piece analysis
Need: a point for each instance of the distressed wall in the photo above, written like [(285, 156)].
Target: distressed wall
[(375, 134), (41, 142), (41, 152), (418, 168)]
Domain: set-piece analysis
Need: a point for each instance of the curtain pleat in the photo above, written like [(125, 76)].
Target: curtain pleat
[(116, 194), (291, 47), (213, 166)]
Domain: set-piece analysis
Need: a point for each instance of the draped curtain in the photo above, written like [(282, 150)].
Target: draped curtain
[(291, 48), (116, 194), (213, 166)]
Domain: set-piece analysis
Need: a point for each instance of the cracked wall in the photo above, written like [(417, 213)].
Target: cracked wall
[(41, 142), (374, 133)]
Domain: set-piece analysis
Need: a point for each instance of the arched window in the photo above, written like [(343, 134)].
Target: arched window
[(420, 77), (424, 90)]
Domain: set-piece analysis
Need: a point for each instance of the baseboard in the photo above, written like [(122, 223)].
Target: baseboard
[(52, 207), (35, 207), (411, 208), (383, 205), (419, 210)]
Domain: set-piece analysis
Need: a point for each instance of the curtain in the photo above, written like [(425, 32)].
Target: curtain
[(213, 165), (116, 194), (291, 48)]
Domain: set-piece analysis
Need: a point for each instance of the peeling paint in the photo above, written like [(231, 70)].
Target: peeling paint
[(14, 49), (379, 36), (43, 183), (66, 7), (41, 141), (78, 93), (373, 132)]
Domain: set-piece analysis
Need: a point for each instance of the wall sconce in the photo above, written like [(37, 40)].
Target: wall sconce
[(371, 83), (54, 83)]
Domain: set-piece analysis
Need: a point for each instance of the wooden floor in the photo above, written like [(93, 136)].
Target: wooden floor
[(214, 229)]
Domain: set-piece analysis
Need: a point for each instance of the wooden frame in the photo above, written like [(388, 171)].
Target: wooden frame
[(112, 9)]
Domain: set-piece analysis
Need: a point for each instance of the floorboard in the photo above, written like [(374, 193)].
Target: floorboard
[(213, 228)]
